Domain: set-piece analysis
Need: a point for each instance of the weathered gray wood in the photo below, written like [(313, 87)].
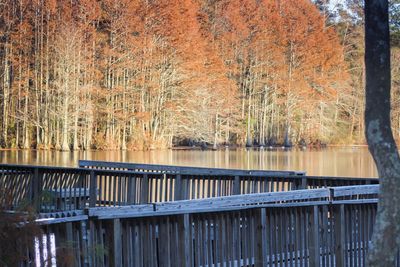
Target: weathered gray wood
[(208, 205), (117, 243), (342, 191), (236, 185), (36, 189), (273, 234), (178, 188), (68, 231), (164, 242), (93, 189), (227, 230), (111, 185), (261, 239), (248, 199), (144, 194), (148, 210), (185, 240), (314, 238), (85, 239), (47, 221), (181, 169)]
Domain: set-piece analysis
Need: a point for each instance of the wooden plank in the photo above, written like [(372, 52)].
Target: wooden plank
[(138, 255), (148, 210), (183, 170), (69, 232), (144, 192), (117, 243), (85, 240), (93, 189), (261, 239), (342, 191), (314, 246), (164, 242), (236, 185), (185, 240), (178, 190), (249, 199), (36, 189), (47, 221)]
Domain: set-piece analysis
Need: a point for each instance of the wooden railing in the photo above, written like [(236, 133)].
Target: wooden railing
[(51, 189), (108, 165), (185, 217), (304, 228)]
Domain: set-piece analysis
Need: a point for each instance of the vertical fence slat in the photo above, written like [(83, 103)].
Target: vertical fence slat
[(261, 239), (314, 246), (117, 243), (93, 189)]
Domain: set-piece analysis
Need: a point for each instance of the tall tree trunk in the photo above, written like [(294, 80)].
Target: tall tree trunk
[(65, 129), (6, 93), (385, 239), (26, 142)]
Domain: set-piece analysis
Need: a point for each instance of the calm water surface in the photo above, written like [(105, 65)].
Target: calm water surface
[(338, 161)]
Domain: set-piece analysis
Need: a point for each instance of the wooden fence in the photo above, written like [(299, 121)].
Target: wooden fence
[(51, 189), (317, 227), (122, 214)]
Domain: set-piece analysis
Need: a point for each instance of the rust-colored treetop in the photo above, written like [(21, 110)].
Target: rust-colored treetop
[(142, 74)]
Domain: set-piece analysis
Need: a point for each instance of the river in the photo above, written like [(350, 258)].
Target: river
[(333, 161)]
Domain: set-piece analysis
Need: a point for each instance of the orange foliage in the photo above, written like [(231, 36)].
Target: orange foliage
[(152, 69)]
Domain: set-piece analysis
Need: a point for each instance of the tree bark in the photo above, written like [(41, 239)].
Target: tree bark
[(379, 134)]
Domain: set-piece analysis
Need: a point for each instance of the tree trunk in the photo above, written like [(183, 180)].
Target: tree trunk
[(379, 134), (65, 128)]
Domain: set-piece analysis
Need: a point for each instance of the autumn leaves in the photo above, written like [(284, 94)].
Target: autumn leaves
[(142, 74)]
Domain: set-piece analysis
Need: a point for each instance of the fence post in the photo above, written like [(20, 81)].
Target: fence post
[(117, 243), (144, 192), (236, 185), (185, 240), (164, 236), (303, 182), (91, 242), (85, 241), (178, 190), (93, 189), (36, 189), (314, 245), (340, 239), (261, 239)]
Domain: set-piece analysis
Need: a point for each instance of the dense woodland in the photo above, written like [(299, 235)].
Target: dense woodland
[(133, 74)]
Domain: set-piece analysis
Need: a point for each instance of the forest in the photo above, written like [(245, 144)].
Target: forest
[(134, 74)]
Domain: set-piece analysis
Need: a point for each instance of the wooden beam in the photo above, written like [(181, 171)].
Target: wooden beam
[(261, 239), (339, 230), (93, 189), (314, 245), (183, 169), (117, 243), (354, 190)]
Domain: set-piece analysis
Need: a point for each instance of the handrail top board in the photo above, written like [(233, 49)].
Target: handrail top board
[(213, 171), (236, 202), (30, 168), (87, 171), (184, 169), (147, 210), (277, 174)]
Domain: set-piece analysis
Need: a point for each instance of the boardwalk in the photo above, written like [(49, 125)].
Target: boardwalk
[(148, 215)]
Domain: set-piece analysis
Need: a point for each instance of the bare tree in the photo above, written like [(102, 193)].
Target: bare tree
[(379, 134)]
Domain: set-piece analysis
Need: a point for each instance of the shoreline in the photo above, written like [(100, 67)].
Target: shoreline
[(193, 148)]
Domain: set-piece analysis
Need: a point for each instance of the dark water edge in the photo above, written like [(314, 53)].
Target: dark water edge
[(332, 161)]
